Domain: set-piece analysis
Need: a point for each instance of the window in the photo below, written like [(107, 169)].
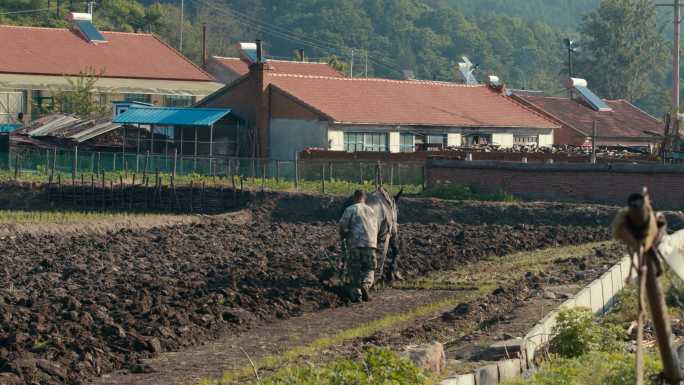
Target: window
[(407, 143), (353, 142), (478, 139), (526, 140), (41, 104), (437, 139), (142, 98), (178, 100), (365, 141)]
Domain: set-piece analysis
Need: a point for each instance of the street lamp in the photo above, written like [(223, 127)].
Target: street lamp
[(572, 46)]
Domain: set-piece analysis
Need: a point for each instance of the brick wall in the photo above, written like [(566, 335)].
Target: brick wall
[(599, 183), (515, 157)]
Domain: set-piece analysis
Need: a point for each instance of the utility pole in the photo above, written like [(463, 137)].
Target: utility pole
[(180, 40), (351, 68), (673, 140), (675, 72), (91, 5)]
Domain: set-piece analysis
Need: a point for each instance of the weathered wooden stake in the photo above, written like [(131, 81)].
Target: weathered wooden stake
[(323, 179), (661, 322)]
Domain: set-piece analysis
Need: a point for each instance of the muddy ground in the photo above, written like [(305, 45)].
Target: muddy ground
[(73, 307)]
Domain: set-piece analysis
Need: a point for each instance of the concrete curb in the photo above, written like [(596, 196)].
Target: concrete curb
[(599, 296)]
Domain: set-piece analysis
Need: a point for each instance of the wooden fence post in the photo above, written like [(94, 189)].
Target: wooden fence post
[(323, 178), (16, 167), (74, 168), (296, 171)]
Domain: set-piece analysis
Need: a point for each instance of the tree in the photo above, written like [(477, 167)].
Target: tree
[(622, 49), (79, 98)]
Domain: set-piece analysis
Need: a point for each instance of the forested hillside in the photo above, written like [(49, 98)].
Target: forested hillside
[(518, 40), (557, 13)]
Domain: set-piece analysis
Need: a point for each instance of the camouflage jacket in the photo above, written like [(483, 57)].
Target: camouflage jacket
[(359, 224)]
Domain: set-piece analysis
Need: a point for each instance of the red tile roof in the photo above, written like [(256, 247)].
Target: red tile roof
[(239, 67), (396, 102), (624, 121), (59, 51)]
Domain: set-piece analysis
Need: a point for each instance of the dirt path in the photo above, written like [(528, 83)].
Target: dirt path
[(282, 339)]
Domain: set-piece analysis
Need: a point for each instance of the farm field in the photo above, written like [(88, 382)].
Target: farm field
[(189, 300)]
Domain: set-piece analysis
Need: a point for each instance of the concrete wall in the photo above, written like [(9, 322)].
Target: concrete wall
[(394, 141), (336, 140), (454, 140), (587, 183), (545, 140), (503, 139), (288, 136)]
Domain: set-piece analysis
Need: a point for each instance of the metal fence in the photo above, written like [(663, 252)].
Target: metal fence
[(48, 163)]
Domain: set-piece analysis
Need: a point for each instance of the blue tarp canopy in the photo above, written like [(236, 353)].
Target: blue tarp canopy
[(7, 128), (171, 116)]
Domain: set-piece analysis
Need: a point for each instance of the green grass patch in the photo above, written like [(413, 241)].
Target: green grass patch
[(462, 192), (20, 216), (377, 367), (594, 368)]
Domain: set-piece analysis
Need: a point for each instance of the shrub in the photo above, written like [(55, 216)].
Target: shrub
[(462, 192), (595, 368), (378, 367), (575, 333)]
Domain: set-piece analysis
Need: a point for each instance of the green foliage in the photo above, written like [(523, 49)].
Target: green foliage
[(626, 309), (378, 367), (558, 13), (461, 192), (79, 97), (577, 334), (623, 50), (595, 368)]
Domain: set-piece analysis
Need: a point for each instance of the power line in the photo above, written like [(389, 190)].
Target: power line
[(279, 32), (27, 11)]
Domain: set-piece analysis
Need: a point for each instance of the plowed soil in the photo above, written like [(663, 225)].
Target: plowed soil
[(74, 307)]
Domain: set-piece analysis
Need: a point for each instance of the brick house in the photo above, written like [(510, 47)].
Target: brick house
[(133, 66), (624, 124), (291, 112)]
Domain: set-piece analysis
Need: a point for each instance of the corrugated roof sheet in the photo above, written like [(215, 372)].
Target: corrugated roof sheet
[(240, 68), (398, 102), (67, 127), (172, 116), (624, 121), (59, 52)]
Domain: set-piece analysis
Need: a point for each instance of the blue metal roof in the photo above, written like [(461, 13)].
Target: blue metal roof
[(172, 116), (7, 128)]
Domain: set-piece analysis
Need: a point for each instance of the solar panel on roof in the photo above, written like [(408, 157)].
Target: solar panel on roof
[(466, 69), (89, 31), (596, 103)]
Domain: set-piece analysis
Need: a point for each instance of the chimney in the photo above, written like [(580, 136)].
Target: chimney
[(259, 80), (259, 52), (204, 45)]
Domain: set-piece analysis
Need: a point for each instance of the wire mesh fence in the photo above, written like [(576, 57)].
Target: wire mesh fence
[(335, 177)]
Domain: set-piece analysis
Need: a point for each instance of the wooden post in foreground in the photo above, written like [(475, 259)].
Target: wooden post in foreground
[(661, 322)]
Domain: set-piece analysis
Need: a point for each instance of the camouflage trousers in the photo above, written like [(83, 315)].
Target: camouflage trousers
[(362, 265)]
